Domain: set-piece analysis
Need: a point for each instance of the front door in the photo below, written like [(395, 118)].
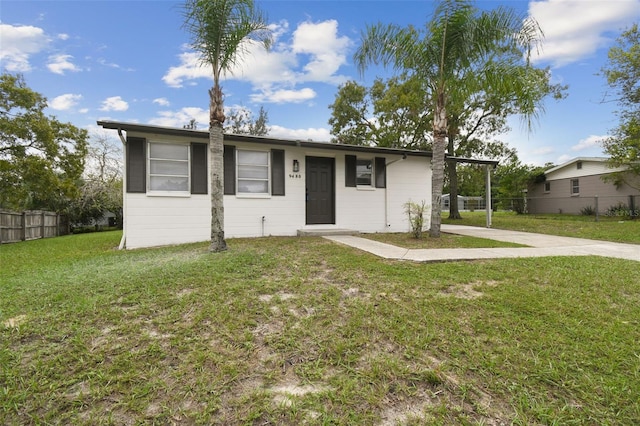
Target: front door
[(320, 190)]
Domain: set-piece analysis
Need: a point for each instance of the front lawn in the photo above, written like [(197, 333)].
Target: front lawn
[(293, 331), (607, 228)]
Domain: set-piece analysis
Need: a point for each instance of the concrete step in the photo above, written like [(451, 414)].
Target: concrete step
[(325, 232)]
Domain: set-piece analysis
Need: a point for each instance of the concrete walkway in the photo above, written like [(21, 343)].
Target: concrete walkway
[(539, 246)]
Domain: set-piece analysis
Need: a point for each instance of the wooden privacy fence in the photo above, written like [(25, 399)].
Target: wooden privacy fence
[(31, 225)]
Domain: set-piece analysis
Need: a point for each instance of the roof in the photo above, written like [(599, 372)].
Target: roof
[(575, 160), (204, 134)]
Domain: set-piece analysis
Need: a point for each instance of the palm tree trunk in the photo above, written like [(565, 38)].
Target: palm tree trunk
[(437, 164), (216, 160)]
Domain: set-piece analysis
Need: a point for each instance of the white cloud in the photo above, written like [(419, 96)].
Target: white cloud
[(63, 36), (274, 74), (114, 103), (314, 134), (161, 101), (18, 44), (284, 96), (58, 64), (182, 117), (577, 29), (189, 69), (65, 102), (592, 141), (327, 56)]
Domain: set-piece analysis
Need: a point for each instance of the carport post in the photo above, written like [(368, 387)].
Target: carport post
[(488, 206)]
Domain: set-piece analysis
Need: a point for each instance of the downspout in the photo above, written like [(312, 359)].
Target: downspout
[(123, 240), (386, 186)]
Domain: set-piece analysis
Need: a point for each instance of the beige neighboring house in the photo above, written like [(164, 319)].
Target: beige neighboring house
[(577, 185)]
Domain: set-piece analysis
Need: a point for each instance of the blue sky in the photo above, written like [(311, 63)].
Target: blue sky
[(130, 61)]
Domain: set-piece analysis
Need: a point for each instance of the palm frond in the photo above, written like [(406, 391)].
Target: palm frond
[(222, 31)]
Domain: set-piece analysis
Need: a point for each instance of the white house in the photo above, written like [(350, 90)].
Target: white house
[(578, 184), (272, 186)]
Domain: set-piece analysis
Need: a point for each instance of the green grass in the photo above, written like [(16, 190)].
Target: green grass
[(301, 330), (407, 240), (607, 228)]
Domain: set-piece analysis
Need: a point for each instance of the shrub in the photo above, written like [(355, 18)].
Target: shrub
[(618, 210), (416, 213), (588, 211)]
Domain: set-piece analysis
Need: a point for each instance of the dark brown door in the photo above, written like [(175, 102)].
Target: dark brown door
[(320, 197)]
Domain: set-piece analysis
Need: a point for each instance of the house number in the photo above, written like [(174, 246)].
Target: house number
[(295, 175)]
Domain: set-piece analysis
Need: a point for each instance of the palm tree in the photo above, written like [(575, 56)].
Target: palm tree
[(459, 41), (222, 31)]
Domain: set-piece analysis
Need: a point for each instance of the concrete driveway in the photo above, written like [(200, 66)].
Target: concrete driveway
[(540, 245)]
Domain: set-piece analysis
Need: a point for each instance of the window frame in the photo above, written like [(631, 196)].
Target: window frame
[(150, 160), (575, 187), (238, 177), (547, 187), (371, 172)]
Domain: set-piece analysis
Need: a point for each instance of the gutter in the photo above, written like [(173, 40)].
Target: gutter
[(123, 240)]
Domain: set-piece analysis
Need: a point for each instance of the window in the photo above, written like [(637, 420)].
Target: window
[(365, 172), (575, 186), (168, 167), (253, 172), (364, 169), (579, 165), (547, 187)]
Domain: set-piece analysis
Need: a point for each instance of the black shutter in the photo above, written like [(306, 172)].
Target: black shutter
[(277, 172), (136, 165), (350, 165), (199, 168), (381, 172), (229, 159)]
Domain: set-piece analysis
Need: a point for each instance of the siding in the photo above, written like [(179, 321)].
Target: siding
[(560, 200), (154, 221)]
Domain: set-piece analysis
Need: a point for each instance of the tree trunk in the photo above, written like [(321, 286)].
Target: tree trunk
[(437, 164), (216, 161), (454, 212)]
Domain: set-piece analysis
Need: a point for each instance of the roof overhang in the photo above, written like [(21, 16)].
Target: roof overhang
[(228, 137)]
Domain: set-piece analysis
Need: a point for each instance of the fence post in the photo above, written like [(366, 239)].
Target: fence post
[(23, 234), (42, 227), (597, 212), (632, 207)]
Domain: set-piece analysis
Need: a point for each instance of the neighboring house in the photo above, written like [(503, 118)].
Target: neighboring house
[(577, 186), (272, 186), (465, 203)]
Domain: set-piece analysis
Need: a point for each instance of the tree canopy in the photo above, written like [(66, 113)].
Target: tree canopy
[(240, 121), (390, 114), (41, 158), (623, 75)]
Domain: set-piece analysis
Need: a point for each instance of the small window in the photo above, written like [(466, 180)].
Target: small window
[(579, 165), (575, 186), (168, 167), (364, 170), (253, 172), (547, 187)]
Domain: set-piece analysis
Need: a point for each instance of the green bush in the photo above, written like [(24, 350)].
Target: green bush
[(416, 213), (588, 211)]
